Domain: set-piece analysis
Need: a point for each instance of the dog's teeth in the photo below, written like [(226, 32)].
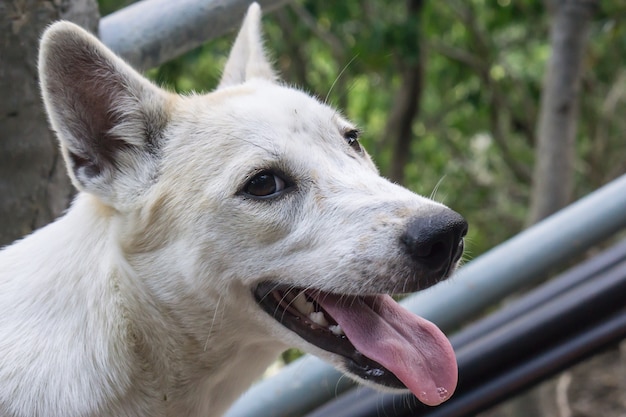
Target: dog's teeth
[(317, 317), (302, 305), (336, 329)]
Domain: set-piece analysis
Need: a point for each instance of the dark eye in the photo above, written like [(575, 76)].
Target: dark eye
[(352, 138), (265, 184)]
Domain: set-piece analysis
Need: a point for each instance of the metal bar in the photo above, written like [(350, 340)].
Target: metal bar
[(543, 366), (522, 341), (557, 286), (151, 32), (524, 259), (531, 333)]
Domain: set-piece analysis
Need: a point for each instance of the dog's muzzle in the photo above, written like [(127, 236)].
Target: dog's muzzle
[(379, 340)]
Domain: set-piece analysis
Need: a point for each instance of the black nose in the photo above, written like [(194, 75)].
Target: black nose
[(435, 240)]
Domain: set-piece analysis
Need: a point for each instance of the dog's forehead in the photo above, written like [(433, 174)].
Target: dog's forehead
[(282, 110)]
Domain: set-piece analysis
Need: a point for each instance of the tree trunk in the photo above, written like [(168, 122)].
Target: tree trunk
[(400, 122), (33, 184), (405, 108), (556, 132)]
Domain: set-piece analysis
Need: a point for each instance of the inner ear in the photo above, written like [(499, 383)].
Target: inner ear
[(105, 114), (93, 98), (247, 58)]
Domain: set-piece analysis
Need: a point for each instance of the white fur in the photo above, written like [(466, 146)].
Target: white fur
[(138, 301)]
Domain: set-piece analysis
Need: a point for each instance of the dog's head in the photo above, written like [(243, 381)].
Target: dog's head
[(263, 195)]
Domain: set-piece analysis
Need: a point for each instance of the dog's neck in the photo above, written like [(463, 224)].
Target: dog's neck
[(159, 357)]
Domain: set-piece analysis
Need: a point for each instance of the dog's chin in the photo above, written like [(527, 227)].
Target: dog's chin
[(300, 311)]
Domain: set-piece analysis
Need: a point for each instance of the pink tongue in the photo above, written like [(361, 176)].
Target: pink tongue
[(413, 348)]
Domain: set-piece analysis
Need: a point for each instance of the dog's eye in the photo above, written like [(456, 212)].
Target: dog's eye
[(352, 137), (265, 184)]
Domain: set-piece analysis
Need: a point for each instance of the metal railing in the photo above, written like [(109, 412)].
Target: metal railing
[(151, 32)]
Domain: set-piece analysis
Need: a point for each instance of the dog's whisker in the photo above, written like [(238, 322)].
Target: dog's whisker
[(289, 302), (338, 77), (215, 313), (433, 194), (273, 153), (338, 384), (404, 284)]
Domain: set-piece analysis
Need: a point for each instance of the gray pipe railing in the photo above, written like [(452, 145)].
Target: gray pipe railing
[(523, 260), (151, 32)]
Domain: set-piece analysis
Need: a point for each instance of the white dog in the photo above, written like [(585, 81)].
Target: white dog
[(209, 234)]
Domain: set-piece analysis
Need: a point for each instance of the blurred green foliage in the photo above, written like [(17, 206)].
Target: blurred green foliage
[(472, 144)]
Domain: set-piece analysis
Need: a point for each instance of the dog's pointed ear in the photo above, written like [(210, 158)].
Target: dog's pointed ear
[(247, 58), (108, 118)]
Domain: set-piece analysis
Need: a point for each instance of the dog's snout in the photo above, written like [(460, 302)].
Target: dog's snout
[(436, 240)]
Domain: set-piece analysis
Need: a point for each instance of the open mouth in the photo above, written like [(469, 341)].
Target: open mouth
[(379, 340), (300, 312)]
